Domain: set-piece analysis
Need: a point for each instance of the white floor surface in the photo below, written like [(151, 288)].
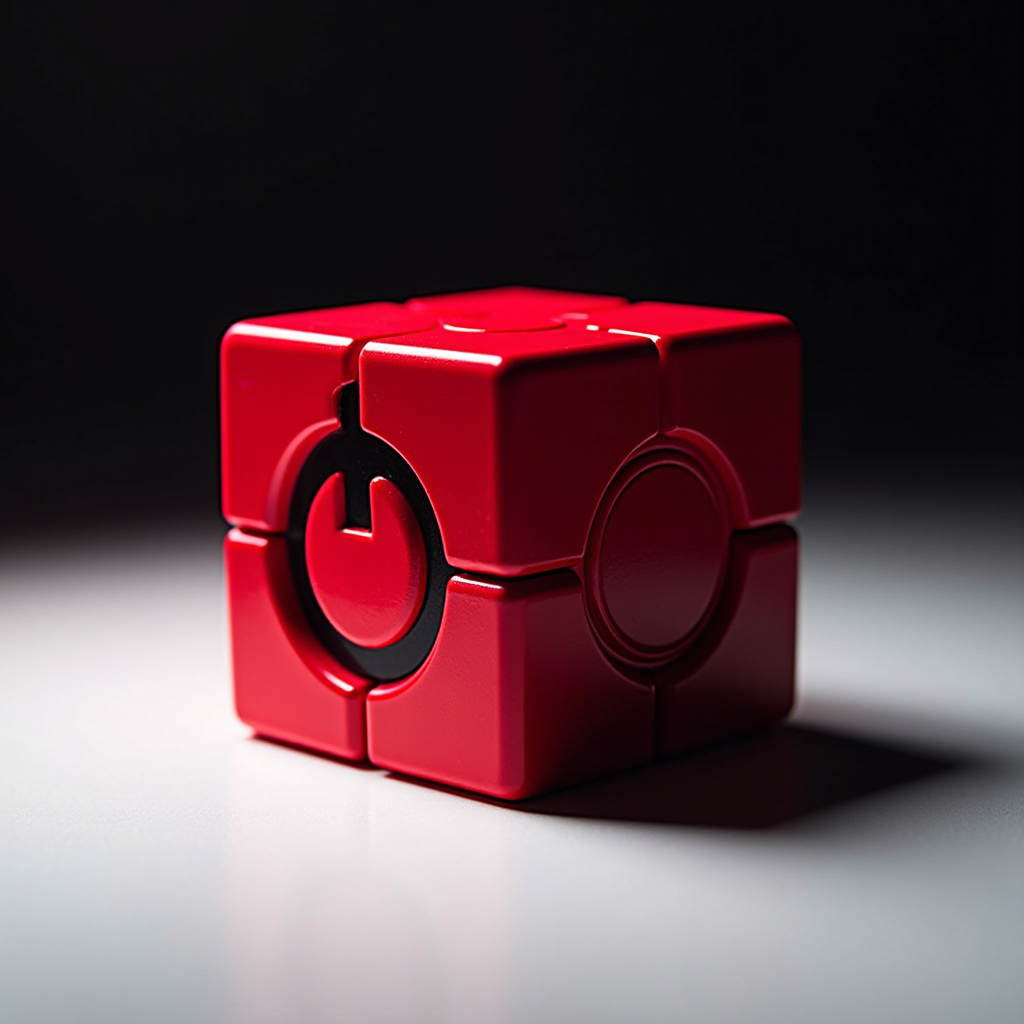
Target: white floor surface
[(864, 865)]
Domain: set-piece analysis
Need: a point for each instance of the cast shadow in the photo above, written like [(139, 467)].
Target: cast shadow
[(760, 782)]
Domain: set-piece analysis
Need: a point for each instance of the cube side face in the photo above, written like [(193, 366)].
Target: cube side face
[(516, 699), (277, 401), (583, 717), (278, 382), (447, 722), (732, 378), (285, 687), (743, 392), (743, 672), (515, 450), (438, 413), (563, 431)]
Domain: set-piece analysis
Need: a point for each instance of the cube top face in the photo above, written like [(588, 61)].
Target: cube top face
[(499, 308), (669, 324), (388, 456), (342, 326)]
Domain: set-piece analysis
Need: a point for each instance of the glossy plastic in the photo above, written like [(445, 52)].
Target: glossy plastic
[(370, 583), (657, 556), (516, 699), (599, 482), (286, 687), (514, 435), (278, 378), (739, 675), (732, 380)]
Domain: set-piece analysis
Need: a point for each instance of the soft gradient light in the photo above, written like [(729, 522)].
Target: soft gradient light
[(158, 865)]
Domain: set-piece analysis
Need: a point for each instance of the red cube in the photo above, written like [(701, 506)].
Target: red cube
[(514, 539)]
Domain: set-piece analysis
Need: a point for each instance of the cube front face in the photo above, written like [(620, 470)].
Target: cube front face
[(515, 539)]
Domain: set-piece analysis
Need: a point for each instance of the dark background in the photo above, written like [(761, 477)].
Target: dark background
[(170, 168)]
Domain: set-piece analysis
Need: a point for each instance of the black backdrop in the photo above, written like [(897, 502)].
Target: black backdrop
[(169, 168)]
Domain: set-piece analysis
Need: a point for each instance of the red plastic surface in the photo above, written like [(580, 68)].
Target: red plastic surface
[(514, 435), (278, 378), (516, 698), (613, 470), (648, 560), (658, 555), (733, 379), (286, 687), (370, 583), (740, 674)]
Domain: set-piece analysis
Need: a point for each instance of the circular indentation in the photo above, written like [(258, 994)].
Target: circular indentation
[(660, 556), (657, 558), (357, 458), (369, 584)]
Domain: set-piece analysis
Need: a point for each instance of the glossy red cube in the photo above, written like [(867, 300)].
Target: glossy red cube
[(514, 539)]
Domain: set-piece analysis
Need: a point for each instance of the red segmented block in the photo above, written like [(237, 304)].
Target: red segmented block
[(514, 539)]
